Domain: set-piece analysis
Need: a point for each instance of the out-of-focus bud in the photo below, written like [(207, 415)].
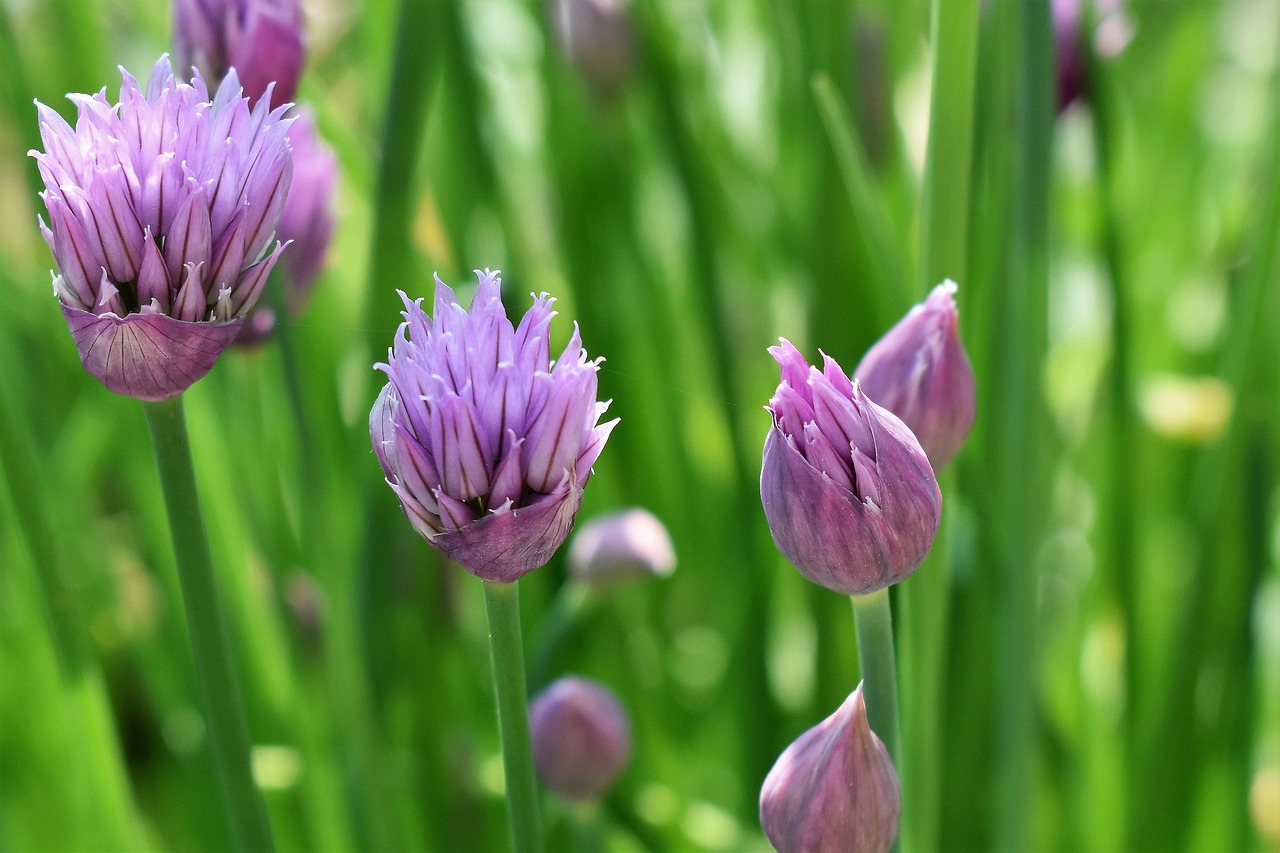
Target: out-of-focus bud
[(595, 35), (920, 372), (486, 441), (629, 543), (834, 788), (1112, 32), (848, 492), (307, 218), (581, 738), (261, 39)]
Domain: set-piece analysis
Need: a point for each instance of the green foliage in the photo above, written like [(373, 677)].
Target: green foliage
[(1092, 658)]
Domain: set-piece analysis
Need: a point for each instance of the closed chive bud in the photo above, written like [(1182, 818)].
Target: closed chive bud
[(629, 543), (594, 35), (162, 214), (920, 372), (847, 490), (261, 39), (834, 788), (486, 441), (581, 738)]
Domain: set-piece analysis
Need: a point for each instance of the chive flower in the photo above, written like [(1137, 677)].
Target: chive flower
[(262, 40), (833, 788), (581, 738), (487, 442), (920, 372), (848, 492), (162, 210), (621, 545)]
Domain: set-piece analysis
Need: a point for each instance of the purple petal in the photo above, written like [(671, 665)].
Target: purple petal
[(148, 356), (504, 546)]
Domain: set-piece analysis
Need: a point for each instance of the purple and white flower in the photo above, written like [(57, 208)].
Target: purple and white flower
[(162, 212), (486, 441)]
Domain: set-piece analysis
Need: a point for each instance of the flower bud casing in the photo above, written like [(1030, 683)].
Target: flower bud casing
[(833, 788), (629, 543), (920, 372), (581, 738)]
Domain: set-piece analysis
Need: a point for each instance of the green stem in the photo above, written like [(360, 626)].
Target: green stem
[(502, 604), (210, 644), (874, 624)]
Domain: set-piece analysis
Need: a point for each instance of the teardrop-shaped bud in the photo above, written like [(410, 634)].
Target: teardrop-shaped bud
[(581, 738), (833, 788), (920, 372)]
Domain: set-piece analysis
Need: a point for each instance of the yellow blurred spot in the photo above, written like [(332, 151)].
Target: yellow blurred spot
[(1264, 804), (711, 827), (1187, 408), (657, 804), (493, 778), (276, 768)]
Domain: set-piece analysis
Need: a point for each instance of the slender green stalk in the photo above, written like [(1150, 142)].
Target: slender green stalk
[(210, 645), (924, 604), (502, 604), (874, 624)]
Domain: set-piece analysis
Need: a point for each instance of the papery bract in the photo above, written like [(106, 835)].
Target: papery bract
[(486, 441), (849, 495), (262, 40), (162, 210), (833, 789), (920, 372), (580, 736)]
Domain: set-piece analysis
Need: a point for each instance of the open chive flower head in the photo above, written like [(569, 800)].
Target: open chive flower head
[(833, 788), (162, 208), (486, 441), (920, 372), (848, 492), (262, 39)]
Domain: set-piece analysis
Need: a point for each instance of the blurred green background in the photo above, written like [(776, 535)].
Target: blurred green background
[(1089, 660)]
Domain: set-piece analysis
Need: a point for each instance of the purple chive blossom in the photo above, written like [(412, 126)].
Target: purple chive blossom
[(261, 39), (848, 492), (162, 210), (486, 441), (833, 788), (919, 371), (580, 736)]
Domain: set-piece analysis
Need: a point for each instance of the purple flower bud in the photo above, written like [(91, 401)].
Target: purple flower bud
[(486, 441), (834, 788), (307, 218), (261, 39), (1112, 32), (581, 738), (848, 493), (625, 544), (162, 209), (919, 371), (595, 35)]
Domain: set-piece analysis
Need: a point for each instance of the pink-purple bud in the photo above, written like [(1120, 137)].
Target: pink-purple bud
[(629, 543), (261, 39), (920, 372), (486, 441), (162, 214), (833, 789), (581, 738), (595, 35), (848, 492)]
